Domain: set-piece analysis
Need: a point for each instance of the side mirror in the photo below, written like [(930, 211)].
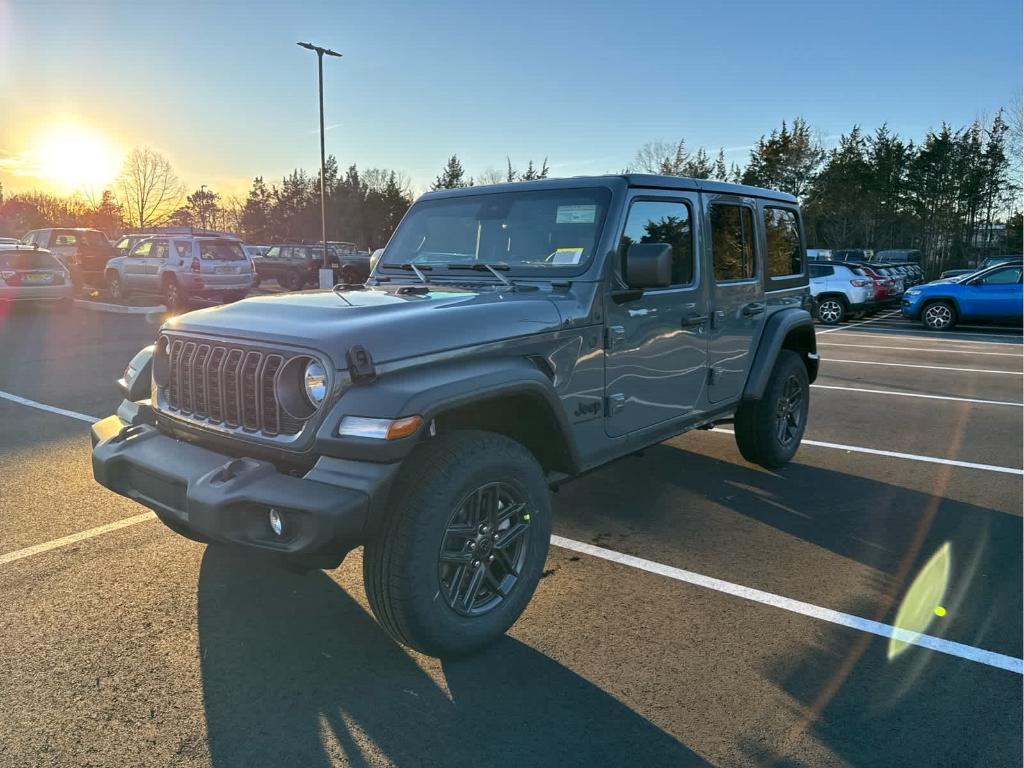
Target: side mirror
[(649, 265)]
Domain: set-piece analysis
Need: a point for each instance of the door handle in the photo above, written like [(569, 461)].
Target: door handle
[(753, 309), (694, 319)]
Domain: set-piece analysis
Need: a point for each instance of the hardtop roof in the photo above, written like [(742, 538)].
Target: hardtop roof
[(613, 181)]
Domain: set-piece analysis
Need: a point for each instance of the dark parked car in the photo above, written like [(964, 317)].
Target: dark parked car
[(510, 338), (85, 252), (852, 254), (991, 261), (297, 265), (899, 256)]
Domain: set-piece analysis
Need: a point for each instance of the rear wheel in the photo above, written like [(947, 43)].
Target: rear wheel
[(831, 310), (290, 281), (769, 430), (457, 557), (174, 296), (938, 316)]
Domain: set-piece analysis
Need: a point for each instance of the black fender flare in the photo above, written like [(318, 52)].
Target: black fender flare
[(429, 392), (777, 329)]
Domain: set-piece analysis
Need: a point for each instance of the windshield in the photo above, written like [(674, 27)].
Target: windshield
[(544, 229)]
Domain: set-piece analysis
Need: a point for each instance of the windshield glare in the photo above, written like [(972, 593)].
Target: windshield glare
[(543, 229)]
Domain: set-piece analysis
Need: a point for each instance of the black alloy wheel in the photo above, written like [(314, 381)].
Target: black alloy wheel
[(789, 411), (483, 549)]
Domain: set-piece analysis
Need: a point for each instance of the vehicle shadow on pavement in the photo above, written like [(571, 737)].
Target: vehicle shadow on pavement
[(296, 672)]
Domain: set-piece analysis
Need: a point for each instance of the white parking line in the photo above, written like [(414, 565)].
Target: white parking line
[(45, 407), (911, 333), (18, 554), (929, 367), (943, 350), (918, 394), (924, 338), (968, 652), (899, 455), (854, 325)]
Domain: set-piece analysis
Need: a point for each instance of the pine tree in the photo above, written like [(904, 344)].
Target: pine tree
[(452, 177), (256, 223)]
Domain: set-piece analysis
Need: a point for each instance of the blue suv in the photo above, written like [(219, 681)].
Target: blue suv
[(990, 296)]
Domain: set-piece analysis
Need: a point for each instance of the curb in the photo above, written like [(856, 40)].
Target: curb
[(99, 306)]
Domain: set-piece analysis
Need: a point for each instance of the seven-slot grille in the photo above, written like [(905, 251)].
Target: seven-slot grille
[(223, 384)]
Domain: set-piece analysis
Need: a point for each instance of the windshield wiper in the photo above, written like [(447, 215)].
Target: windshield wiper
[(410, 267), (481, 266)]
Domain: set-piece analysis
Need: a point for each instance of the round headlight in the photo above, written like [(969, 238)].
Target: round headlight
[(315, 379)]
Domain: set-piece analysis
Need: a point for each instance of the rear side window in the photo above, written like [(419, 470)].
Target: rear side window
[(819, 270), (183, 249), (95, 239), (782, 233), (159, 249), (221, 250), (732, 242), (661, 221)]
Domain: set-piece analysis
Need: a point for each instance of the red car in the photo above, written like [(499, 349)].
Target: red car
[(882, 286)]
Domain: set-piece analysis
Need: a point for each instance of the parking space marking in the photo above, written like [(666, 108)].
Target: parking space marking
[(929, 367), (968, 652), (911, 333), (920, 349), (854, 325), (45, 407), (18, 554), (918, 394), (899, 455)]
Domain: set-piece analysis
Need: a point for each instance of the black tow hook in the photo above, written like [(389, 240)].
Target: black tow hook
[(231, 470)]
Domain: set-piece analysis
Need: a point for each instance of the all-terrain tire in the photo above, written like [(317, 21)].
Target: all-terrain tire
[(769, 430), (402, 567)]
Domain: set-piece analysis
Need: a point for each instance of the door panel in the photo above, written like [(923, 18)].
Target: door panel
[(134, 269), (656, 345), (738, 306)]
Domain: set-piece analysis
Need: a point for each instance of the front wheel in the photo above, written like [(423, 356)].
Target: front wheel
[(769, 430), (174, 296), (831, 311), (938, 316), (457, 558), (116, 287)]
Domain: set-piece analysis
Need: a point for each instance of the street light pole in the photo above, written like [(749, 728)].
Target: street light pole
[(326, 273)]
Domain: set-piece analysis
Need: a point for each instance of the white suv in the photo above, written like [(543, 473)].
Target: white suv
[(839, 290)]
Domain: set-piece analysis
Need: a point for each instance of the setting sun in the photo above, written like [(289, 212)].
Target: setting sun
[(73, 156)]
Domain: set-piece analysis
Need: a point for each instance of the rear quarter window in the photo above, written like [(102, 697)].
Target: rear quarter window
[(785, 256)]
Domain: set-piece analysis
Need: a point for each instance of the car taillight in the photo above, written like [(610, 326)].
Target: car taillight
[(195, 265), (859, 283), (76, 258), (11, 278)]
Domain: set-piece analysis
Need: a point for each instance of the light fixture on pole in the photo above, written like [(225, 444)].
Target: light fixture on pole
[(326, 273)]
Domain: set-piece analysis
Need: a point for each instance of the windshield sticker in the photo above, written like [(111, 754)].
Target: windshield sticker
[(567, 256), (576, 214)]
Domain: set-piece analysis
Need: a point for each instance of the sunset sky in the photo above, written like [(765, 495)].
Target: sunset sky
[(223, 91)]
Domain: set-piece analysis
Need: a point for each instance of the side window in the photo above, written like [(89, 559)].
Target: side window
[(1008, 276), (142, 250), (819, 270), (183, 249), (30, 238), (273, 252), (159, 249), (732, 242), (782, 233), (63, 238), (286, 253), (661, 221)]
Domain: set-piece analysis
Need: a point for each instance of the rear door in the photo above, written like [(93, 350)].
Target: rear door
[(738, 306), (656, 345)]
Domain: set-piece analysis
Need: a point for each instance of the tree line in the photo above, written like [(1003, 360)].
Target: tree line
[(955, 195)]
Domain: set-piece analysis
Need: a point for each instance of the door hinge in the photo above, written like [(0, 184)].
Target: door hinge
[(613, 336), (614, 403)]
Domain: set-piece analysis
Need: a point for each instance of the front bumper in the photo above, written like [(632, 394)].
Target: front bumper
[(910, 307), (195, 490)]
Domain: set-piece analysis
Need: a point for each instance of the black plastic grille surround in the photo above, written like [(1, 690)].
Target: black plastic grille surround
[(226, 385)]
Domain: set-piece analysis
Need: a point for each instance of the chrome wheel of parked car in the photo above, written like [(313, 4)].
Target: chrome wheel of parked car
[(117, 292), (173, 295), (483, 549), (938, 316), (831, 311)]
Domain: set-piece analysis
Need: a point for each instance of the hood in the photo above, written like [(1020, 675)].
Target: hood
[(392, 322)]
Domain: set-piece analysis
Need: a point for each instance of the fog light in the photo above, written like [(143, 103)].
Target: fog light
[(276, 522)]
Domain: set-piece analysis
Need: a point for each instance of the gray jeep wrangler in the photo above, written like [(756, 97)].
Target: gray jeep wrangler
[(509, 338)]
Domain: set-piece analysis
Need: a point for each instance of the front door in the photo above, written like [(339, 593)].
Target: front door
[(738, 307), (134, 270), (656, 345), (996, 296)]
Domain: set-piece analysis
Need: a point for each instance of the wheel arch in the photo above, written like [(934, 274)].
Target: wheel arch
[(791, 329)]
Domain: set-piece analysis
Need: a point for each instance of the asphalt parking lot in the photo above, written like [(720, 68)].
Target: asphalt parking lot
[(697, 610)]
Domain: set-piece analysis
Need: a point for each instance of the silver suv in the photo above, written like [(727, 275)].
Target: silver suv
[(181, 268)]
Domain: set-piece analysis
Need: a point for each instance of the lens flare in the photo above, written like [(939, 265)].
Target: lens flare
[(924, 600)]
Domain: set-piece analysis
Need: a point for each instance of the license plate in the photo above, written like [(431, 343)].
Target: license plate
[(36, 277), (225, 270)]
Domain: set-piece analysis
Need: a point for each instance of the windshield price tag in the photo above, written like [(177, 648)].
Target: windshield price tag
[(576, 214), (567, 256)]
